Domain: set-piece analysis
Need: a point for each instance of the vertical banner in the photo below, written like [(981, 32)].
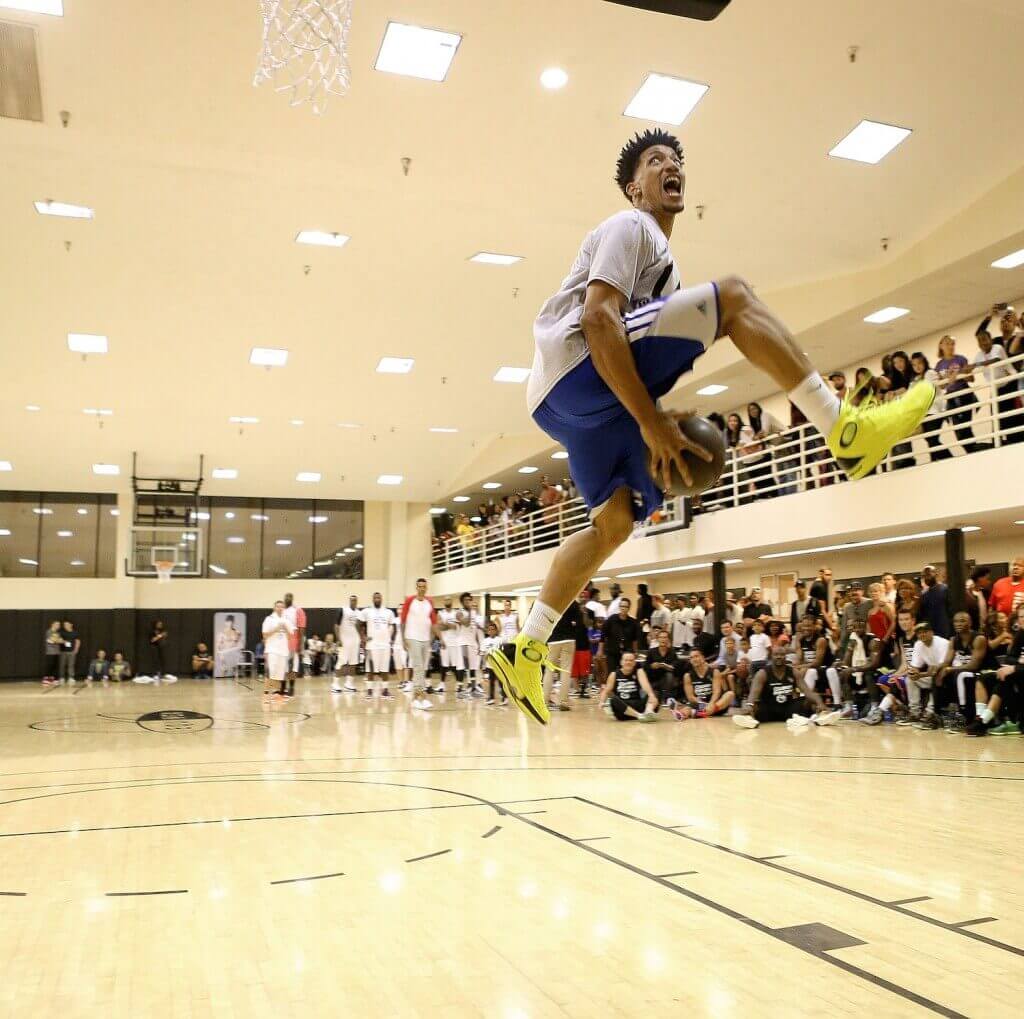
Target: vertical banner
[(228, 642)]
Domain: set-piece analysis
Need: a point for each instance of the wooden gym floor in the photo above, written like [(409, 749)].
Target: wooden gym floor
[(333, 858)]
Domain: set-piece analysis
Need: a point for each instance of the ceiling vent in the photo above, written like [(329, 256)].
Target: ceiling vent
[(20, 95)]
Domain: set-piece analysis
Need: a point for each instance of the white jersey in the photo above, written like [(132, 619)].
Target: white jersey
[(508, 625), (276, 631), (629, 251), (378, 627), (467, 633), (347, 619), (449, 637)]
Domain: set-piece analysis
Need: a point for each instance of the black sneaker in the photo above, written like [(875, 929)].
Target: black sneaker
[(956, 724), (929, 721), (976, 728)]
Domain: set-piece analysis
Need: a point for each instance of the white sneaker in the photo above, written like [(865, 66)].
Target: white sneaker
[(648, 716), (423, 704), (745, 721), (336, 689), (796, 722), (827, 718), (350, 688), (170, 679)]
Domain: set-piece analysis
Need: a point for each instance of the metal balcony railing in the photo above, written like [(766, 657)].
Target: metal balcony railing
[(985, 415)]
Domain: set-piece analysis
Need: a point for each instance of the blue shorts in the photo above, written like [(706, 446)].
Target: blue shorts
[(606, 451)]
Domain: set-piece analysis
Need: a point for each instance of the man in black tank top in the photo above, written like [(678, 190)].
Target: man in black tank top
[(970, 665), (628, 693), (778, 695), (1009, 692), (814, 664), (705, 690)]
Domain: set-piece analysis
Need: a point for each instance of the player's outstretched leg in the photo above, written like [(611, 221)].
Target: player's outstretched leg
[(520, 665), (860, 437)]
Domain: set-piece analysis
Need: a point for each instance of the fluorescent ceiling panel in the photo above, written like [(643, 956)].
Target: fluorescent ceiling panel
[(312, 476), (554, 78), (110, 469), (417, 52), (870, 142), (65, 210), (268, 357), (225, 473), (322, 238), (395, 365), (665, 99), (495, 258), (1011, 261), (507, 374), (713, 390), (884, 315), (389, 479), (87, 343)]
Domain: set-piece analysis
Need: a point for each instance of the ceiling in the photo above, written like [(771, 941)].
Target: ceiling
[(200, 183)]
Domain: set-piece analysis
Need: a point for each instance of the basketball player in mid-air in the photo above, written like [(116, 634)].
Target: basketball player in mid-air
[(614, 339)]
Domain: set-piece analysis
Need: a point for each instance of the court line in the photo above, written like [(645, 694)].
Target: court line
[(486, 834), (593, 838), (680, 873), (981, 919), (907, 902), (168, 891), (824, 882), (15, 895), (315, 877), (428, 856)]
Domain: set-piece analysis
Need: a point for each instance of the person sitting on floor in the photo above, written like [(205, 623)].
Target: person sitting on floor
[(99, 667), (120, 670), (202, 662), (777, 695), (1009, 688), (628, 694), (662, 668), (705, 691)]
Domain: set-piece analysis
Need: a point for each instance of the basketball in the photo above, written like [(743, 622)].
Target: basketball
[(705, 473)]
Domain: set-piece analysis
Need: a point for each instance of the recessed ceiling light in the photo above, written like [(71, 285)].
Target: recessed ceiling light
[(665, 99), (1011, 261), (321, 562), (42, 511), (395, 365), (560, 455), (201, 515), (495, 258), (348, 549), (63, 209), (32, 407), (28, 562), (491, 484), (54, 7), (713, 390), (77, 562), (528, 470), (842, 546), (674, 569), (444, 431), (348, 424), (82, 511), (225, 473), (5, 532), (870, 142), (554, 77), (318, 520), (283, 541), (461, 498), (312, 476), (106, 469), (5, 465), (86, 343), (358, 544), (436, 511), (417, 52), (65, 534), (507, 374), (259, 516), (886, 315), (297, 421), (236, 539), (243, 420), (1015, 521), (322, 238), (268, 357), (117, 513), (218, 570), (389, 479), (229, 515)]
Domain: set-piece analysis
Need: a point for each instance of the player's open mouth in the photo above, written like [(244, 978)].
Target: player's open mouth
[(673, 186)]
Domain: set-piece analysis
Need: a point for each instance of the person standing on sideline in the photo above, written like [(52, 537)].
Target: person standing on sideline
[(508, 622), (157, 640), (934, 606), (451, 648), (350, 617), (296, 642), (620, 635), (278, 631), (468, 634), (418, 622), (561, 652), (379, 623), (53, 645), (661, 620)]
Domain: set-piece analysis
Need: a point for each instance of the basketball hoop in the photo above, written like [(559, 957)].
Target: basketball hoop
[(305, 49), (163, 570)]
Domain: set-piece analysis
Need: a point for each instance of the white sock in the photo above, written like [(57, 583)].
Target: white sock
[(818, 402), (986, 715), (887, 702), (541, 621)]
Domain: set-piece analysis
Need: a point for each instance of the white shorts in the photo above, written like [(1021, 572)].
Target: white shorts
[(379, 660), (451, 656), (294, 661), (471, 657), (276, 667), (401, 657), (349, 653)]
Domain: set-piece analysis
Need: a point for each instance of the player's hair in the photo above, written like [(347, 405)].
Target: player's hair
[(635, 148), (465, 594)]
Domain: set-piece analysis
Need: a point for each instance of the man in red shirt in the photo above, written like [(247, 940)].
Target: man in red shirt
[(1008, 592)]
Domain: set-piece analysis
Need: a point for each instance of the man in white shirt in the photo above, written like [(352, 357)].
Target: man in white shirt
[(379, 627), (991, 359), (593, 606), (508, 622), (418, 622), (451, 648), (613, 606), (470, 623), (277, 630), (928, 657), (661, 619), (350, 638), (682, 621)]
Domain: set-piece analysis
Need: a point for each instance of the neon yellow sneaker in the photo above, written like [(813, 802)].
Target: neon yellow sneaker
[(519, 667), (863, 436)]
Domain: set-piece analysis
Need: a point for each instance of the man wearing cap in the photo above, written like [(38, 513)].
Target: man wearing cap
[(756, 608), (804, 605), (926, 661), (934, 605), (837, 380), (856, 609)]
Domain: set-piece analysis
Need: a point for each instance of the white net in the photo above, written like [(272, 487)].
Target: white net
[(305, 49), (163, 570)]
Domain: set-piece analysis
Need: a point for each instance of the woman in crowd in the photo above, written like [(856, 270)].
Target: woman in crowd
[(998, 632), (954, 373), (922, 371), (740, 439), (907, 596), (900, 377), (777, 633), (767, 431), (882, 617)]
